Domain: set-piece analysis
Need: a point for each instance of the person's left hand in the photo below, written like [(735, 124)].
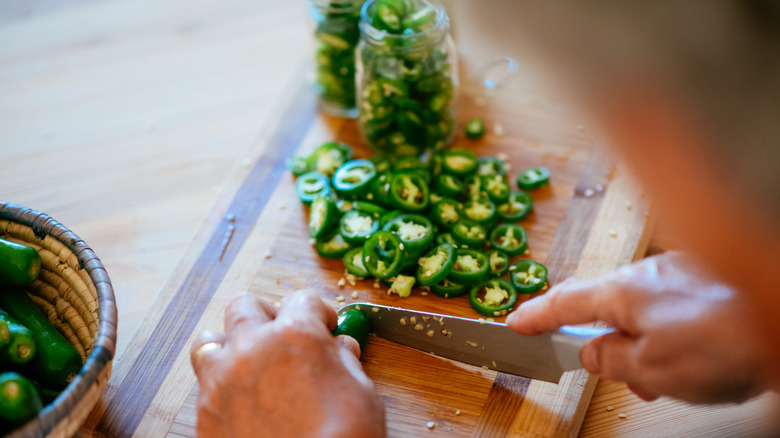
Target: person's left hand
[(283, 374)]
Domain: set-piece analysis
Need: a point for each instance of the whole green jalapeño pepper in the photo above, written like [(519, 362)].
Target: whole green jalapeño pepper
[(510, 238), (496, 297), (435, 265), (382, 255), (353, 179), (528, 276), (408, 191), (352, 322)]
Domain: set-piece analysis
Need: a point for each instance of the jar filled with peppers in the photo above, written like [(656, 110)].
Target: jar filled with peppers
[(407, 78), (336, 35)]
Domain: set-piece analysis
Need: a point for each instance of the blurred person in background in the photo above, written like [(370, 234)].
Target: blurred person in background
[(688, 95)]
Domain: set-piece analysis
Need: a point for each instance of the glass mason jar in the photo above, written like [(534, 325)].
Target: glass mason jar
[(407, 76), (336, 34)]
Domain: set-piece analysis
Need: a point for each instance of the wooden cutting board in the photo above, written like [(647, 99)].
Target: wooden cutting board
[(589, 220)]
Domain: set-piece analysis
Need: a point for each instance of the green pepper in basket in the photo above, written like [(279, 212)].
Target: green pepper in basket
[(19, 264), (19, 346), (56, 361), (19, 401)]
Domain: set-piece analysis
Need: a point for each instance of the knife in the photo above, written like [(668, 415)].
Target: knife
[(482, 343)]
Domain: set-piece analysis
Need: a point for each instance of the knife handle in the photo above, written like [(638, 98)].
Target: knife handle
[(569, 340)]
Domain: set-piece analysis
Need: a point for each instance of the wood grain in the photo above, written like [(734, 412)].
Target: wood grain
[(141, 119)]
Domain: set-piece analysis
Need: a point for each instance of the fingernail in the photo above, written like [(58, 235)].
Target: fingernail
[(590, 358)]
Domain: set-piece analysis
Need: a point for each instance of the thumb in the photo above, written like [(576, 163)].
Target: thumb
[(611, 356), (349, 353)]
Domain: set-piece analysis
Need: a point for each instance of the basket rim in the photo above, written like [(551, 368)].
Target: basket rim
[(105, 341)]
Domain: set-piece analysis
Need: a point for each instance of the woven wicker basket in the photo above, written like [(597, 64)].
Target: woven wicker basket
[(75, 293)]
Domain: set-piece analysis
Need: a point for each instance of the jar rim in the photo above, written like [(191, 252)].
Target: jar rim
[(442, 21), (326, 5)]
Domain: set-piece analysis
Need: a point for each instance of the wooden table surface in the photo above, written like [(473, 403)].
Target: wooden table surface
[(124, 119)]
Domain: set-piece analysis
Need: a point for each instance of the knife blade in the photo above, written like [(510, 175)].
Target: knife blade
[(482, 343)]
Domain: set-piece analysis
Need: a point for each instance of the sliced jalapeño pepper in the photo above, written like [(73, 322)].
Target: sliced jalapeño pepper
[(528, 276), (414, 230), (379, 191), (475, 128), (499, 262), (533, 178), (516, 207), (480, 210), (446, 238), (448, 185), (356, 226), (382, 163), (310, 185), (382, 255), (489, 166), (436, 264), (408, 191), (448, 289), (332, 245), (459, 162), (353, 178), (329, 157), (471, 267), (402, 285), (446, 212), (323, 216), (473, 188), (469, 233), (509, 238), (496, 187), (495, 297), (353, 262), (297, 165)]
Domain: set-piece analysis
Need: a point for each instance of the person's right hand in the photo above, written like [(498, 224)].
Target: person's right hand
[(282, 374), (678, 333)]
